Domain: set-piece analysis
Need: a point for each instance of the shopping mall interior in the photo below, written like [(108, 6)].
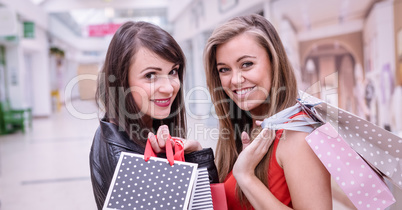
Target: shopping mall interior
[(346, 52)]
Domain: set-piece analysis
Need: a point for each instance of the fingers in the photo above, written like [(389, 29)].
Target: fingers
[(268, 136), (264, 140), (191, 146), (245, 139), (258, 122), (253, 152), (154, 143), (162, 135)]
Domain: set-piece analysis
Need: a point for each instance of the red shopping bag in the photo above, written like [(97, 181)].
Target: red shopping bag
[(219, 196)]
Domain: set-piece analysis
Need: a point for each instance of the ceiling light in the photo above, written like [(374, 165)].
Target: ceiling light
[(109, 12), (37, 2)]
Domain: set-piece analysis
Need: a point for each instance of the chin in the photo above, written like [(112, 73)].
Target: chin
[(160, 116), (159, 112), (244, 106)]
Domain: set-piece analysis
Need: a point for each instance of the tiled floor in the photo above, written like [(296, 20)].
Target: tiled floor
[(47, 168)]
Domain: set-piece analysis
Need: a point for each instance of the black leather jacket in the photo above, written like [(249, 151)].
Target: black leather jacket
[(107, 145)]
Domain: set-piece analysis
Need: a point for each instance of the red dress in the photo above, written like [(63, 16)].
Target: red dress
[(276, 180)]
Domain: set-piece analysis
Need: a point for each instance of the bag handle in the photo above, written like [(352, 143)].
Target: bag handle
[(283, 120), (179, 150)]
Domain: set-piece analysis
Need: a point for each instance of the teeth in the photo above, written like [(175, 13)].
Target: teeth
[(162, 101), (244, 91)]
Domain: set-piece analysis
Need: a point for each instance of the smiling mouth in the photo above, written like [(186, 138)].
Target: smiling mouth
[(162, 102), (243, 91)]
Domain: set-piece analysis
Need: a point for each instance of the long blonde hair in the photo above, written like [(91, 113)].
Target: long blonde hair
[(283, 91)]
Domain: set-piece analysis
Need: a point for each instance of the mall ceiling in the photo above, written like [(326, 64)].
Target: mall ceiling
[(304, 15)]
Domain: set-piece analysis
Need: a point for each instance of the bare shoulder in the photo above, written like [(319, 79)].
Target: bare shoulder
[(292, 139), (307, 178), (292, 144), (295, 135)]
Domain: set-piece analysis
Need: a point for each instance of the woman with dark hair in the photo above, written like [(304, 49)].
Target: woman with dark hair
[(140, 92), (250, 78)]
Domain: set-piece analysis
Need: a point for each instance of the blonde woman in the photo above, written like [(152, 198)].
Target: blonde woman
[(250, 78)]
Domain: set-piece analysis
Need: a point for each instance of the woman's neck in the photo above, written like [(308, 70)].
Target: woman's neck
[(260, 112), (147, 121)]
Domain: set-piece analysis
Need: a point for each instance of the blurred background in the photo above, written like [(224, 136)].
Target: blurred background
[(347, 52)]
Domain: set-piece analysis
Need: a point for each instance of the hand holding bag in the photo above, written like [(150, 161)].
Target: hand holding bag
[(179, 151)]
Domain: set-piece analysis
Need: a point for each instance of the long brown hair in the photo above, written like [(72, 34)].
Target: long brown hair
[(283, 91), (114, 93)]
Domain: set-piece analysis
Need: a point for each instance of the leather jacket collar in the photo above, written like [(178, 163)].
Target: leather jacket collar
[(113, 134)]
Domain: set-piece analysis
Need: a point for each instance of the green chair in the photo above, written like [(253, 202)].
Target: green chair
[(12, 120)]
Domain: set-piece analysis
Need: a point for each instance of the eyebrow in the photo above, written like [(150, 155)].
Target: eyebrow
[(157, 68), (152, 68), (244, 56), (239, 59)]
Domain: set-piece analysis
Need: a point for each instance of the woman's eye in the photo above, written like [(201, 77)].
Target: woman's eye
[(223, 70), (174, 72), (150, 75), (247, 64)]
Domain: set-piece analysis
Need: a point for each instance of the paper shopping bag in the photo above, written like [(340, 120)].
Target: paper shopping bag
[(361, 184), (149, 182), (316, 125), (219, 196), (202, 196), (380, 148)]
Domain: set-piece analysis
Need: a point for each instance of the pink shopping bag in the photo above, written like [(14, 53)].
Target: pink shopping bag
[(380, 148), (364, 187), (339, 151)]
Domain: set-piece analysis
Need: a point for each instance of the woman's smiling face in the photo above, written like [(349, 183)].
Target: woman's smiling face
[(154, 83), (244, 71)]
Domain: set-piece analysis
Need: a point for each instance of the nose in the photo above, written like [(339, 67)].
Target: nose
[(237, 77), (166, 85)]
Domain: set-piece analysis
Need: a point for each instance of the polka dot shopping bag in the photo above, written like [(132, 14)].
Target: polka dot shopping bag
[(149, 182), (355, 152), (152, 184), (380, 148)]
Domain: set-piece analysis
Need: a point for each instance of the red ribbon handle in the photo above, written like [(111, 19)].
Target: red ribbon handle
[(179, 154), (179, 149)]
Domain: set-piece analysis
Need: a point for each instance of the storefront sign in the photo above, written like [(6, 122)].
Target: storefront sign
[(102, 29)]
